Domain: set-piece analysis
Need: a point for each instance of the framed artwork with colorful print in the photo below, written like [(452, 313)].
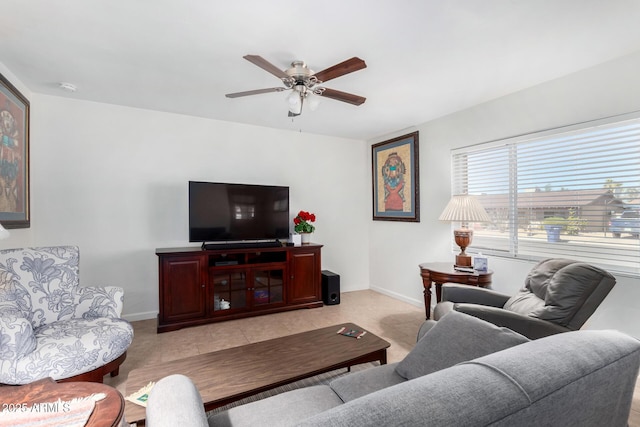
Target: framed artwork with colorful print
[(14, 157), (396, 195)]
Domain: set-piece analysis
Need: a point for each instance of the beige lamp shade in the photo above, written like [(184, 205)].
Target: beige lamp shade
[(464, 208), (3, 232)]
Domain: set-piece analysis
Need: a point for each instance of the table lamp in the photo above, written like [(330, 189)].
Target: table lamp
[(4, 233), (464, 208)]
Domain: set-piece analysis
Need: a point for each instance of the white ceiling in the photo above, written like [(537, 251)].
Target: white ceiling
[(426, 58)]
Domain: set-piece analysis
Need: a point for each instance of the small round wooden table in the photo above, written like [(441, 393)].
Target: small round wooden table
[(444, 272), (107, 412)]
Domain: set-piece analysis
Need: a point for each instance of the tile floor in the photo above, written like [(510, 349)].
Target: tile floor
[(393, 320)]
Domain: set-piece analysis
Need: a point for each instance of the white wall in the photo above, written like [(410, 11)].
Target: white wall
[(609, 89), (113, 180)]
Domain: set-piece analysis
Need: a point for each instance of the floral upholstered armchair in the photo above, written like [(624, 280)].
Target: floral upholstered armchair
[(52, 327)]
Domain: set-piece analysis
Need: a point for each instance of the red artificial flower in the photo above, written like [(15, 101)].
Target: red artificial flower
[(306, 216), (302, 221)]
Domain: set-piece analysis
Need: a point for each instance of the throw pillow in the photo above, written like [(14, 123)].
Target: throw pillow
[(457, 337)]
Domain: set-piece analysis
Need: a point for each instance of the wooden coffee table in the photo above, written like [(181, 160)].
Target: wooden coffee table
[(228, 375)]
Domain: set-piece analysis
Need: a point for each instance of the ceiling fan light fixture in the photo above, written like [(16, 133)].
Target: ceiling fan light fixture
[(293, 99), (313, 102), (295, 102)]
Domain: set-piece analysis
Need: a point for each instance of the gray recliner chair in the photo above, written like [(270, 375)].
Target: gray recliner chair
[(559, 295)]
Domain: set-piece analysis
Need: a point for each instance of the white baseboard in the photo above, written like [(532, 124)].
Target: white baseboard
[(412, 301), (133, 317)]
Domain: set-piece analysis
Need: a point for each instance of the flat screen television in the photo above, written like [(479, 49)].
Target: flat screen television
[(223, 212)]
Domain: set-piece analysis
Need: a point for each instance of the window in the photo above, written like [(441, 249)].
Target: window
[(572, 192)]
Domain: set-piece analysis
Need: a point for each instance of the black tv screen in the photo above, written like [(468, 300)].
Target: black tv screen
[(234, 212)]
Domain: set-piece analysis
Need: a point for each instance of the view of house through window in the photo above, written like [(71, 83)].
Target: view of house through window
[(572, 193)]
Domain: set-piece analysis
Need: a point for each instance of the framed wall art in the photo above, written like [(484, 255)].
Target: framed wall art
[(14, 157), (396, 195)]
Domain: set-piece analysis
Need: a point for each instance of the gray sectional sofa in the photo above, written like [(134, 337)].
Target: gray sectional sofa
[(463, 372)]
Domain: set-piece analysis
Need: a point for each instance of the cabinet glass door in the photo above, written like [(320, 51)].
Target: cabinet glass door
[(229, 290), (268, 287)]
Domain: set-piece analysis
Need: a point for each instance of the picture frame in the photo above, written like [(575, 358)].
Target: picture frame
[(396, 179), (14, 157)]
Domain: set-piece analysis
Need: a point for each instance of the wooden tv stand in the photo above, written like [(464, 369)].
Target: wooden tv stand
[(203, 286)]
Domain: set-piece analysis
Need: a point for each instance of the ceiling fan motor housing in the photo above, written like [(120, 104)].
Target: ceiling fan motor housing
[(300, 76)]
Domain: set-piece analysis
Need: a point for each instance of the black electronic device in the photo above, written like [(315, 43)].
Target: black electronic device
[(330, 288), (225, 212), (229, 262)]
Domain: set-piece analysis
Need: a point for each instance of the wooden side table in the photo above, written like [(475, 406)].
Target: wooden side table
[(107, 412), (443, 272)]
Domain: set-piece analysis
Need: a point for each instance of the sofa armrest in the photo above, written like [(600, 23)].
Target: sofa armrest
[(175, 401), (473, 295), (530, 327), (425, 327), (16, 333), (99, 301)]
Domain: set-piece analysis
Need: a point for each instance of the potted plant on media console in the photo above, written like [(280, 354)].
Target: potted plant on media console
[(303, 225)]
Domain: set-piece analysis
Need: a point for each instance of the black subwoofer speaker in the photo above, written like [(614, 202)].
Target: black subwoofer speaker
[(330, 287)]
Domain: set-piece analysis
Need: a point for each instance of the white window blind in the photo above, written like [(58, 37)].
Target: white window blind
[(558, 193)]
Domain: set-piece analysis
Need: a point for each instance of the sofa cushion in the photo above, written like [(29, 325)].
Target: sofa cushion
[(456, 338), (281, 410), (459, 396), (357, 384)]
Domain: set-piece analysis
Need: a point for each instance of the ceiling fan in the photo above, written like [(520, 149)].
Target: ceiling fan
[(303, 82)]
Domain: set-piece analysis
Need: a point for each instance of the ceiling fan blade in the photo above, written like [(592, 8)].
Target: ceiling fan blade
[(266, 65), (343, 96), (345, 67), (254, 92)]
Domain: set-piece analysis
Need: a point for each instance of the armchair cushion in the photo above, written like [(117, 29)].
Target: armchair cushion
[(528, 326), (16, 335), (68, 348), (557, 289), (559, 295), (456, 338), (49, 325), (41, 282), (94, 302), (473, 295)]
